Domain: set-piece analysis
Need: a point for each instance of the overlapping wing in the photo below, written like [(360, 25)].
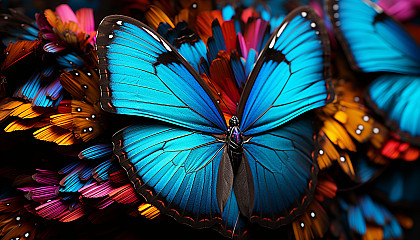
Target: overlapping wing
[(176, 169), (143, 75), (372, 40), (397, 97)]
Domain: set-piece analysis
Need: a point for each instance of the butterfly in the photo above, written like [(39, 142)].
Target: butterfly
[(375, 42), (184, 158), (372, 40)]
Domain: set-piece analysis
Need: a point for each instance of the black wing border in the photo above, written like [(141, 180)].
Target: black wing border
[(323, 35), (106, 27)]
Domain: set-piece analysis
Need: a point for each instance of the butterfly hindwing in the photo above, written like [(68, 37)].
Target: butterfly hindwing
[(283, 172), (372, 40), (143, 75), (396, 97), (183, 168), (291, 75), (175, 169)]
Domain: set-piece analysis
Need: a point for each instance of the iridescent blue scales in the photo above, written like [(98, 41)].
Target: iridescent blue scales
[(365, 216), (183, 168), (397, 97), (210, 119), (188, 43), (375, 42)]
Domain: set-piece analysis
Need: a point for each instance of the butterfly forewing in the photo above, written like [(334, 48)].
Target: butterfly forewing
[(291, 75), (396, 97), (372, 40), (183, 167), (173, 166), (375, 42), (143, 75)]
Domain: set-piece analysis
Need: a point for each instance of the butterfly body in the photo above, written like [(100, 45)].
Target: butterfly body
[(235, 142)]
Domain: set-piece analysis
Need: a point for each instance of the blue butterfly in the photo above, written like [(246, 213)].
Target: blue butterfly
[(363, 210), (374, 42), (189, 163)]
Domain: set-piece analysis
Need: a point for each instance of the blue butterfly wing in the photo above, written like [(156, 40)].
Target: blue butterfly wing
[(143, 75), (356, 220), (193, 49), (397, 97), (177, 169), (283, 172), (399, 184), (373, 41), (291, 75)]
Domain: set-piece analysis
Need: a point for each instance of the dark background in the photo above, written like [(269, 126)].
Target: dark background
[(19, 150)]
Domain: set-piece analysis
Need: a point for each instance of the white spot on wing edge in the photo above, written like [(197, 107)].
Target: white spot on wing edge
[(166, 46), (119, 22), (375, 6), (281, 29), (378, 8), (151, 34), (273, 41)]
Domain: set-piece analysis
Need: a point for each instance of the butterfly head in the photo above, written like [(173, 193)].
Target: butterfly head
[(234, 122)]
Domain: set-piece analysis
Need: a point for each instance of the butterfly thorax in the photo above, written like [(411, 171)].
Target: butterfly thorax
[(235, 143)]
